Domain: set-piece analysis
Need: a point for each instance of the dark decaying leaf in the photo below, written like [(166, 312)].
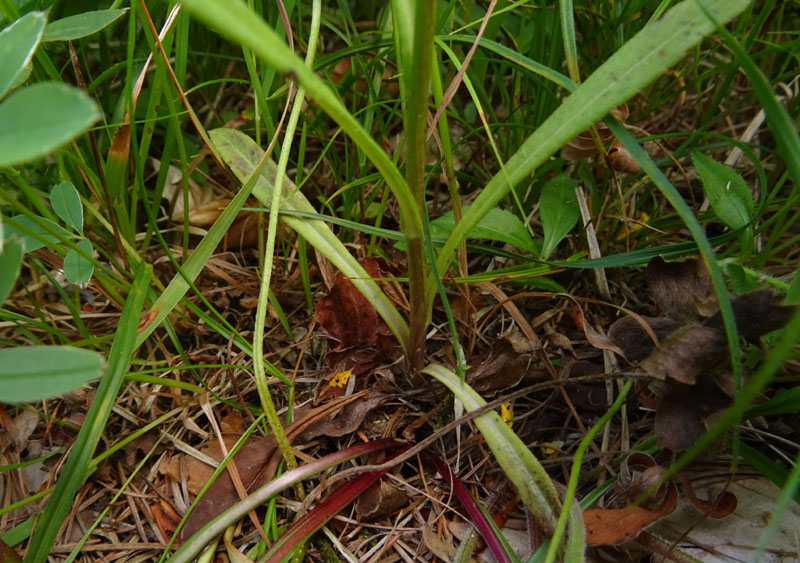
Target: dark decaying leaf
[(686, 353), (502, 369), (682, 290), (379, 500), (683, 410), (8, 555), (630, 336), (756, 314), (620, 525), (346, 317), (591, 397)]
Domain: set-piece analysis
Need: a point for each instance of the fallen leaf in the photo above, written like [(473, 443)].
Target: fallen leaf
[(682, 290), (686, 353), (619, 525), (721, 506), (379, 500), (756, 314), (637, 475), (631, 337), (682, 412)]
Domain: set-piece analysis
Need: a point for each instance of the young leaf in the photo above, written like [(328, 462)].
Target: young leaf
[(559, 211), (66, 203), (10, 261), (81, 25), (34, 373), (40, 118), (498, 224), (727, 191), (77, 268), (17, 44), (45, 234)]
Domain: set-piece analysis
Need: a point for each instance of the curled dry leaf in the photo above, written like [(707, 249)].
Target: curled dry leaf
[(619, 525), (719, 507), (583, 146), (638, 474), (682, 290), (686, 353)]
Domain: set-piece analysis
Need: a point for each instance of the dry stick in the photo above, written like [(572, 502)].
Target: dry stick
[(609, 360), (451, 90)]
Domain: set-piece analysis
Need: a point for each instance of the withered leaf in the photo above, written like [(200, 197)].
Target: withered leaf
[(620, 525), (379, 500), (345, 421), (502, 369), (756, 314), (719, 507), (637, 475), (681, 414), (631, 337), (682, 290), (686, 353)]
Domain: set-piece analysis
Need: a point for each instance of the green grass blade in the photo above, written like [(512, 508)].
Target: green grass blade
[(73, 473), (640, 61)]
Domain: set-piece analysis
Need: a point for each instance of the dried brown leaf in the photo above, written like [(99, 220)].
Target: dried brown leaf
[(620, 525), (637, 475), (682, 290), (631, 337), (686, 353), (719, 507), (756, 314), (379, 500), (681, 413)]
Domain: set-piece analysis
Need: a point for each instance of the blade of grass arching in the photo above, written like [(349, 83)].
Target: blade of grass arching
[(768, 468), (241, 153), (73, 473), (568, 37), (780, 123), (266, 276), (193, 265), (191, 547), (517, 461), (237, 22), (577, 461), (640, 61)]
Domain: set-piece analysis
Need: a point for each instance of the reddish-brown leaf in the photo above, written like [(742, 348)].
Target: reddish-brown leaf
[(620, 525), (720, 507), (686, 353)]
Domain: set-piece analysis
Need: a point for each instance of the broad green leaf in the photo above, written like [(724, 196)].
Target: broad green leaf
[(66, 202), (10, 261), (498, 224), (33, 243), (18, 42), (78, 269), (727, 191), (81, 25), (40, 118), (34, 373), (559, 210)]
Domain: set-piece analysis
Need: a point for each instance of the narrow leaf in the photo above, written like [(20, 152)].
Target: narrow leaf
[(33, 373), (40, 118), (10, 261), (81, 25), (77, 268), (727, 191), (17, 44), (559, 210), (66, 203)]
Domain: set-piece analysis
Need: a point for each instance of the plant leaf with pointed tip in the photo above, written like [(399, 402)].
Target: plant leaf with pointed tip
[(66, 203), (18, 42), (559, 210), (81, 25), (727, 191), (499, 225), (10, 261), (45, 234)]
